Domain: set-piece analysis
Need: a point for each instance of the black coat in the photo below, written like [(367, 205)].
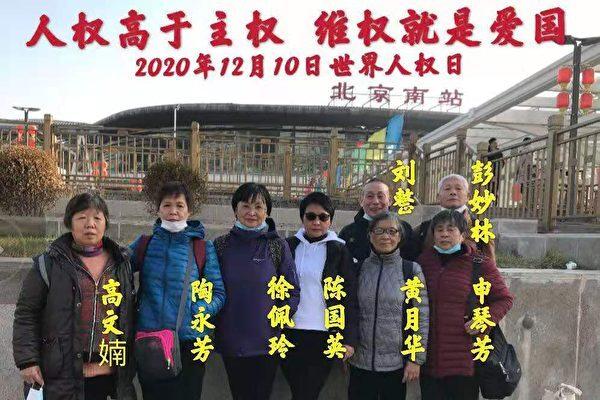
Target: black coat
[(47, 319), (356, 236), (338, 261)]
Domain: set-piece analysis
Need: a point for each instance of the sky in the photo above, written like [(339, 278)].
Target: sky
[(93, 83)]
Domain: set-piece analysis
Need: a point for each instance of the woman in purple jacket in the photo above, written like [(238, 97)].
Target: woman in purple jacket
[(250, 255)]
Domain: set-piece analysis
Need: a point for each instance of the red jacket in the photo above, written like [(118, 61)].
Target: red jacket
[(448, 285)]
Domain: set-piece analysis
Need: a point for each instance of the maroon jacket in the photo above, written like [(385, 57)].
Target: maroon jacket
[(448, 280)]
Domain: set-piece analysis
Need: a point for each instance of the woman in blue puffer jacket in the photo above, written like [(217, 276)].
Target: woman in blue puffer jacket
[(162, 274)]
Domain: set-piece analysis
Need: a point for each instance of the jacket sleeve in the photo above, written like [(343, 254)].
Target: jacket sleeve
[(423, 308), (500, 300), (133, 247), (348, 271), (212, 273), (288, 270), (28, 315)]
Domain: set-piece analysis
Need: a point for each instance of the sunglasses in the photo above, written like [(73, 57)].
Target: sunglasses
[(389, 231), (312, 216)]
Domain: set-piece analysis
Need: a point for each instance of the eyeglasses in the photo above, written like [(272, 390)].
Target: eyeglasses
[(324, 217), (389, 231)]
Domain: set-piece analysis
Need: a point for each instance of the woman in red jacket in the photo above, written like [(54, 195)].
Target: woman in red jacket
[(448, 268)]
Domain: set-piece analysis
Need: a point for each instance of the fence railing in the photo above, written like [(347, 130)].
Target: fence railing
[(548, 178)]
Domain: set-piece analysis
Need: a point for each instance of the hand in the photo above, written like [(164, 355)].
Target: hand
[(32, 375), (472, 332), (411, 372), (349, 352)]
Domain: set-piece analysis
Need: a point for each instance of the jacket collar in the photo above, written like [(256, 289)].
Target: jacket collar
[(61, 247), (270, 233)]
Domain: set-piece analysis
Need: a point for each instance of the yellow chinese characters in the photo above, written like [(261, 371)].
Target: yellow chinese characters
[(335, 316), (280, 316), (279, 288), (482, 173), (482, 289), (482, 321), (279, 345), (335, 347), (202, 290), (480, 203), (112, 296), (200, 321), (113, 353), (413, 346), (412, 319), (482, 232), (404, 173), (482, 348), (403, 199), (333, 288), (202, 348), (413, 287)]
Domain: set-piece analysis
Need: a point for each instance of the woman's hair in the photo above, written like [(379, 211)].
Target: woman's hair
[(174, 189), (248, 192), (320, 199), (82, 202), (391, 217), (452, 218)]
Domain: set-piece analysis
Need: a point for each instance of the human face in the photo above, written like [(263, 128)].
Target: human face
[(252, 213), (88, 226), (494, 145), (316, 227), (453, 194), (174, 208), (385, 242), (375, 198), (446, 236)]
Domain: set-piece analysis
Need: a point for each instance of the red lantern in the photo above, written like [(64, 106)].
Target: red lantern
[(586, 101), (588, 77), (562, 100), (20, 132), (31, 133), (564, 76)]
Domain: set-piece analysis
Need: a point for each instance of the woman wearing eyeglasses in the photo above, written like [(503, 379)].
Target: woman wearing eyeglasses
[(378, 369), (322, 262)]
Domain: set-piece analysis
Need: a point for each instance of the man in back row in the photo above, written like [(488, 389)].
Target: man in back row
[(453, 194)]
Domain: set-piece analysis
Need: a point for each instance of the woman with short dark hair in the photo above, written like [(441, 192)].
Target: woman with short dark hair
[(78, 298), (251, 255), (379, 369), (448, 268), (322, 261), (162, 260)]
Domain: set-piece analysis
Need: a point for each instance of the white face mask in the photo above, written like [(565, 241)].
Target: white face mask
[(174, 226)]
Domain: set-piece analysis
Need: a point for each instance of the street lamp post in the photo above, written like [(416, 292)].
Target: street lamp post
[(578, 44), (175, 109), (26, 111)]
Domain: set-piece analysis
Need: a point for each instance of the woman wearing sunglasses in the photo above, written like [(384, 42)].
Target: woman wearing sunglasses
[(378, 369), (322, 260)]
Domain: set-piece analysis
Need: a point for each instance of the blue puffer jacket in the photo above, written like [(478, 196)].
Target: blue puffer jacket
[(162, 278)]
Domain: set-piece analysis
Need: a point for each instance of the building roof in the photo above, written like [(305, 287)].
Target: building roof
[(254, 115)]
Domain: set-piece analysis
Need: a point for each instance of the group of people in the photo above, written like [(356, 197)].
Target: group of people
[(59, 317)]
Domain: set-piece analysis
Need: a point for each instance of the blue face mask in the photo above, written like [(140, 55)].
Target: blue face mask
[(246, 228), (451, 250)]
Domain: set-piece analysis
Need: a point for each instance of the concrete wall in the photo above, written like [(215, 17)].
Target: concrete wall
[(554, 325)]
